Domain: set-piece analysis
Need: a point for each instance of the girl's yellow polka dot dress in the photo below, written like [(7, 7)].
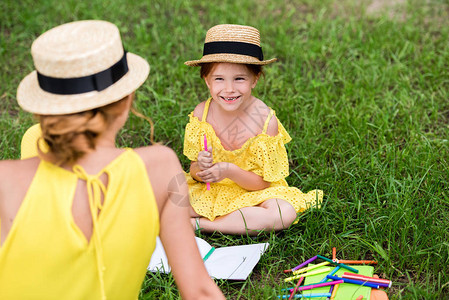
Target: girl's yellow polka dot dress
[(263, 154)]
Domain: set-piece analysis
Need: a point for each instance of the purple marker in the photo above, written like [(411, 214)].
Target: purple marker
[(304, 263)]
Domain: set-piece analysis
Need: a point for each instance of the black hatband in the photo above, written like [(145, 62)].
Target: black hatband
[(79, 85), (233, 48)]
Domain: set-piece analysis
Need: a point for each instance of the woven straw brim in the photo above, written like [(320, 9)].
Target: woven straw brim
[(33, 99), (229, 58)]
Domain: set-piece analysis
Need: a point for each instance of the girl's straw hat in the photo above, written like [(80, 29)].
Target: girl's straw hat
[(80, 66), (234, 44)]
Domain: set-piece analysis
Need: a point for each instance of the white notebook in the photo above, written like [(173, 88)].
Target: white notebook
[(233, 263)]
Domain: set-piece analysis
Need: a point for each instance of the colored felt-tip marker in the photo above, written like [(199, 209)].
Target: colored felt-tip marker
[(205, 148), (365, 277), (324, 270), (304, 263), (297, 296), (317, 285), (357, 262), (338, 264), (310, 268), (331, 290), (334, 292), (381, 282), (331, 273), (359, 282), (293, 292), (208, 254)]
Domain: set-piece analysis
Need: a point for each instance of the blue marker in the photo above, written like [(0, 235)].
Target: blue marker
[(359, 282), (317, 295), (331, 273)]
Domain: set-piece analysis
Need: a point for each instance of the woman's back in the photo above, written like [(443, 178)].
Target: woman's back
[(46, 236)]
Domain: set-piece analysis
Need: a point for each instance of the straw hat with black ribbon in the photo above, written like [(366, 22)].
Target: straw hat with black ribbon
[(80, 66), (233, 44)]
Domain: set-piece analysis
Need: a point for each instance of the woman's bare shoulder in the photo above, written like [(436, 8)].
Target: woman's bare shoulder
[(14, 170), (16, 175), (159, 157), (164, 171)]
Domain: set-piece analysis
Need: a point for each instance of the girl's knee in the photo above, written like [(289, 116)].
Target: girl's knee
[(284, 213), (287, 215)]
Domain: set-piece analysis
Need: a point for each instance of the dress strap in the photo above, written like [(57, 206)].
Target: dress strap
[(95, 188), (206, 110), (267, 121)]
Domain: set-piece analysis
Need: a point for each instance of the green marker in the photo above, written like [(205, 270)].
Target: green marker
[(208, 253), (338, 264)]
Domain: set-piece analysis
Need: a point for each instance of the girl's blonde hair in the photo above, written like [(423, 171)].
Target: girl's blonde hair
[(71, 136)]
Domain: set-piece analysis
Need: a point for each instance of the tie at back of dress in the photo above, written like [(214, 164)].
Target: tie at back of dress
[(95, 190)]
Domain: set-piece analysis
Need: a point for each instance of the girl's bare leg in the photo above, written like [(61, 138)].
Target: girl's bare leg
[(270, 215)]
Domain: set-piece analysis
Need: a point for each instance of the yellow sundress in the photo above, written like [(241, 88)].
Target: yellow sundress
[(46, 255), (263, 154)]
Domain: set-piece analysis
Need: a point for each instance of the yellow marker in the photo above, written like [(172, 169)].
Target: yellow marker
[(310, 268), (334, 291), (323, 270)]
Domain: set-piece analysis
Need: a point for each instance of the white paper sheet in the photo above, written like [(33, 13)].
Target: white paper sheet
[(233, 263)]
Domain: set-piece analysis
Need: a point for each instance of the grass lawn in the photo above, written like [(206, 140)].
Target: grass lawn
[(361, 86)]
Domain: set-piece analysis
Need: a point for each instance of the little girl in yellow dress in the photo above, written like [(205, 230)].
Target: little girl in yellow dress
[(236, 144)]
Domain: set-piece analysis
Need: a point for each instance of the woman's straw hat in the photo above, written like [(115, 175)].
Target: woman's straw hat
[(234, 44), (80, 66)]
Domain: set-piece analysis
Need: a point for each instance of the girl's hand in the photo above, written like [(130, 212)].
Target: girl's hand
[(217, 172), (205, 159)]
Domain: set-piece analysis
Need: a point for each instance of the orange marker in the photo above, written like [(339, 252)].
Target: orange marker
[(334, 254), (334, 291), (357, 262)]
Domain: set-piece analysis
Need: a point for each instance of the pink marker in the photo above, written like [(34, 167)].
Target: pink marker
[(205, 148), (317, 285)]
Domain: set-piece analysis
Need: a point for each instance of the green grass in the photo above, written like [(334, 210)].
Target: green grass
[(364, 97)]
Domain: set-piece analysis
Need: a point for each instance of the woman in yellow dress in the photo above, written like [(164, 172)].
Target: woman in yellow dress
[(80, 220), (236, 143)]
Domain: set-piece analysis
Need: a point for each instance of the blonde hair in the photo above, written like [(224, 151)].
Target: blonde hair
[(71, 136)]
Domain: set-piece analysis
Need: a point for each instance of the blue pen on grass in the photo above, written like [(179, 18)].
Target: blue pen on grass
[(208, 254)]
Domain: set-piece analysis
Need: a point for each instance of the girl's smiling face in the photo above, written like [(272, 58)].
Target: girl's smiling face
[(230, 85)]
